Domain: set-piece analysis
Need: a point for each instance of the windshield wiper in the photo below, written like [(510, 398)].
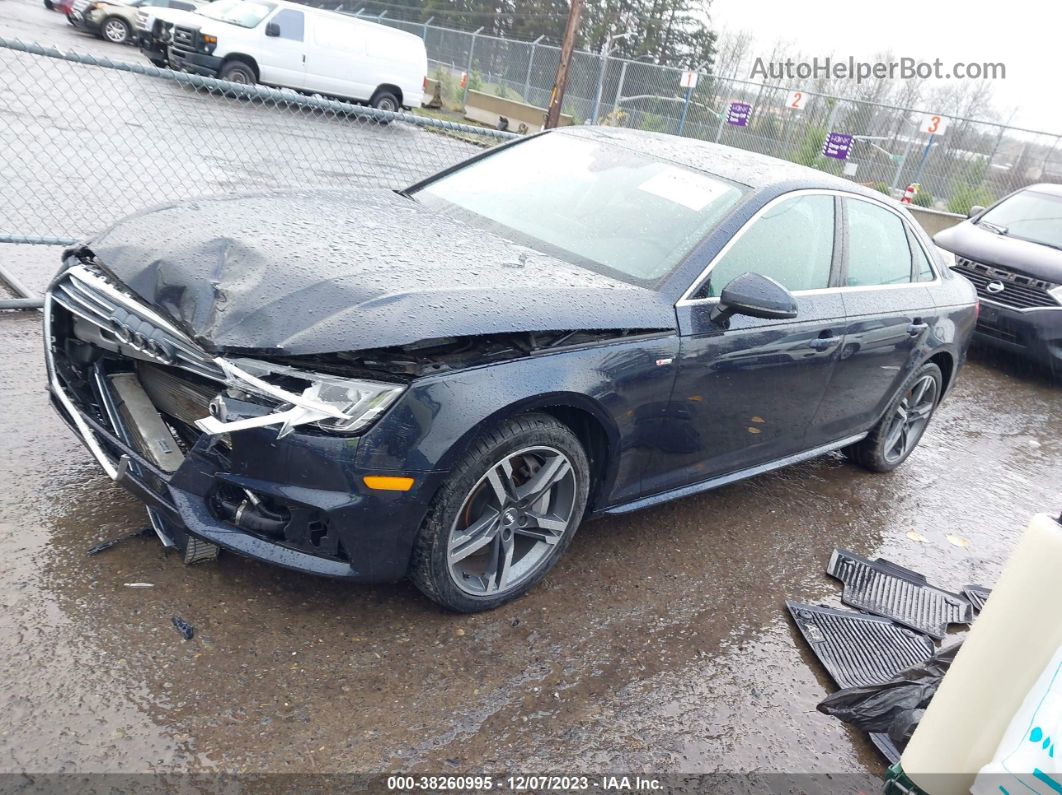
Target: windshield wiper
[(999, 230)]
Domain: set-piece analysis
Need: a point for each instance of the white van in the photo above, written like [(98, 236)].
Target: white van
[(284, 44)]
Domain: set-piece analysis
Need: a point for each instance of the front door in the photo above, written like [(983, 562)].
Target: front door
[(746, 393), (282, 58)]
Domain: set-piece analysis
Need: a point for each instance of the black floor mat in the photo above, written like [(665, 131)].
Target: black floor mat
[(978, 595), (857, 649), (886, 589)]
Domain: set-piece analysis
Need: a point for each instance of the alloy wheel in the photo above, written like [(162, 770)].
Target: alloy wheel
[(115, 31), (910, 418), (511, 520)]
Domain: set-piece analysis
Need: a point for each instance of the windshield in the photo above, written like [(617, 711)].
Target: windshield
[(590, 203), (1028, 215), (245, 13)]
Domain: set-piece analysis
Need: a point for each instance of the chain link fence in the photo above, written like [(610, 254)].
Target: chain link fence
[(973, 162), (87, 140)]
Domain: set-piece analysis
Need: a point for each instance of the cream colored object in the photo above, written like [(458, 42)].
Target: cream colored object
[(1007, 648)]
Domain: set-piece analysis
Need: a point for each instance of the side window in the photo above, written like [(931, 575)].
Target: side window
[(182, 5), (878, 252), (791, 243), (290, 23), (923, 272)]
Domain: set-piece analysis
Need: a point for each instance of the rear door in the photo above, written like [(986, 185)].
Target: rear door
[(890, 313), (282, 59), (746, 393)]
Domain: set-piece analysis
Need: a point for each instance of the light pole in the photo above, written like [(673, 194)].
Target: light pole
[(605, 52), (530, 62), (623, 77), (468, 71)]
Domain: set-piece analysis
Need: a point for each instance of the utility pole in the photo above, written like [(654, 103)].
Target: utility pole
[(560, 82)]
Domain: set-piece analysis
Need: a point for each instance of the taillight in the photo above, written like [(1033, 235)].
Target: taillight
[(424, 83)]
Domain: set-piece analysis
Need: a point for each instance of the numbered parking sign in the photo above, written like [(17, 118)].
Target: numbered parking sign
[(934, 124), (688, 80), (796, 100)]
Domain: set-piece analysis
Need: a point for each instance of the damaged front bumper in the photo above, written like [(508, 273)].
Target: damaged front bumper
[(297, 500)]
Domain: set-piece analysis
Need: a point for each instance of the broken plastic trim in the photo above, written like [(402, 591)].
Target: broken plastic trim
[(355, 403)]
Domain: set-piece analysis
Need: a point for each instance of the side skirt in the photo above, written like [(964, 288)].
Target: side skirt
[(723, 480)]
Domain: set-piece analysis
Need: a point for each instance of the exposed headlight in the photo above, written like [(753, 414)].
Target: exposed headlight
[(332, 403), (1056, 293)]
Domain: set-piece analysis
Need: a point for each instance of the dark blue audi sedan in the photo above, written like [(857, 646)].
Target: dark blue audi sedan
[(443, 382)]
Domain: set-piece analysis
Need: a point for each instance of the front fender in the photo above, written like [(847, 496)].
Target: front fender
[(623, 385)]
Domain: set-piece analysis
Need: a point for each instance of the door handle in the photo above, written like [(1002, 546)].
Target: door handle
[(822, 343), (916, 328)]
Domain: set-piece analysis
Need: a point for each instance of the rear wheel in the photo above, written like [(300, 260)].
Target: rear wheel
[(506, 514), (386, 100), (160, 63), (895, 437), (116, 30)]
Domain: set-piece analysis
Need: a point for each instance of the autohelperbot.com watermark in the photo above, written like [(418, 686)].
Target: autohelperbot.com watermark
[(899, 69)]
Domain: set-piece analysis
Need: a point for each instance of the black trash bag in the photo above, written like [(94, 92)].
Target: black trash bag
[(894, 707)]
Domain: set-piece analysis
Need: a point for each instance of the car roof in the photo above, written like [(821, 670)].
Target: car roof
[(753, 169), (1046, 187)]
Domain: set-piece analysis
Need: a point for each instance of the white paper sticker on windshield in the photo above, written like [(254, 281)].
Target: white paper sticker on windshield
[(683, 187)]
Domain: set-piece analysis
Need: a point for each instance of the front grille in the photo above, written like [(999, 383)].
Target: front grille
[(128, 325), (1019, 291), (184, 37)]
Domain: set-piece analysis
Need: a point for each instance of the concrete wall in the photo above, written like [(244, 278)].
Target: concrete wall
[(934, 220), (487, 109)]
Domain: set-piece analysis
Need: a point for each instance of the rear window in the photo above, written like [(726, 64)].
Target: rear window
[(591, 203)]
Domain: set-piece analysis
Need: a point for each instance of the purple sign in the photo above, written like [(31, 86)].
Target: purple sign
[(837, 145), (738, 114)]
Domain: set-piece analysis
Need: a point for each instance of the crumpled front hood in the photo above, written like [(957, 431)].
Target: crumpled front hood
[(306, 272)]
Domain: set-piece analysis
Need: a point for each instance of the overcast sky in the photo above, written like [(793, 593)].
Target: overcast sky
[(1026, 35)]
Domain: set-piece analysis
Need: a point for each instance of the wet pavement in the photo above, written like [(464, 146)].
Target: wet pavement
[(659, 643), (84, 146)]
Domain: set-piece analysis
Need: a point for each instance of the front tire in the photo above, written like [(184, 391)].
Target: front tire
[(505, 515), (116, 30), (897, 434), (238, 72)]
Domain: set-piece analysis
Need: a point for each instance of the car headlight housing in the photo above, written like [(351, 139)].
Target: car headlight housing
[(300, 397), (1056, 293)]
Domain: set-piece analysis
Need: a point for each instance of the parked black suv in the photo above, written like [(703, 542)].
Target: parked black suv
[(1012, 252), (444, 381)]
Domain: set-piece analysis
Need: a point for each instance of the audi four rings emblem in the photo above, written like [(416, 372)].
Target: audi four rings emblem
[(995, 287), (137, 334)]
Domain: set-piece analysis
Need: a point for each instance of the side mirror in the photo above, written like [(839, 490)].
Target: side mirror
[(756, 296), (974, 211), (272, 29)]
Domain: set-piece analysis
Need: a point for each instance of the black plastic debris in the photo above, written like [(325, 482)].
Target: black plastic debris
[(978, 595), (886, 589), (104, 545), (857, 649), (187, 630), (892, 708)]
